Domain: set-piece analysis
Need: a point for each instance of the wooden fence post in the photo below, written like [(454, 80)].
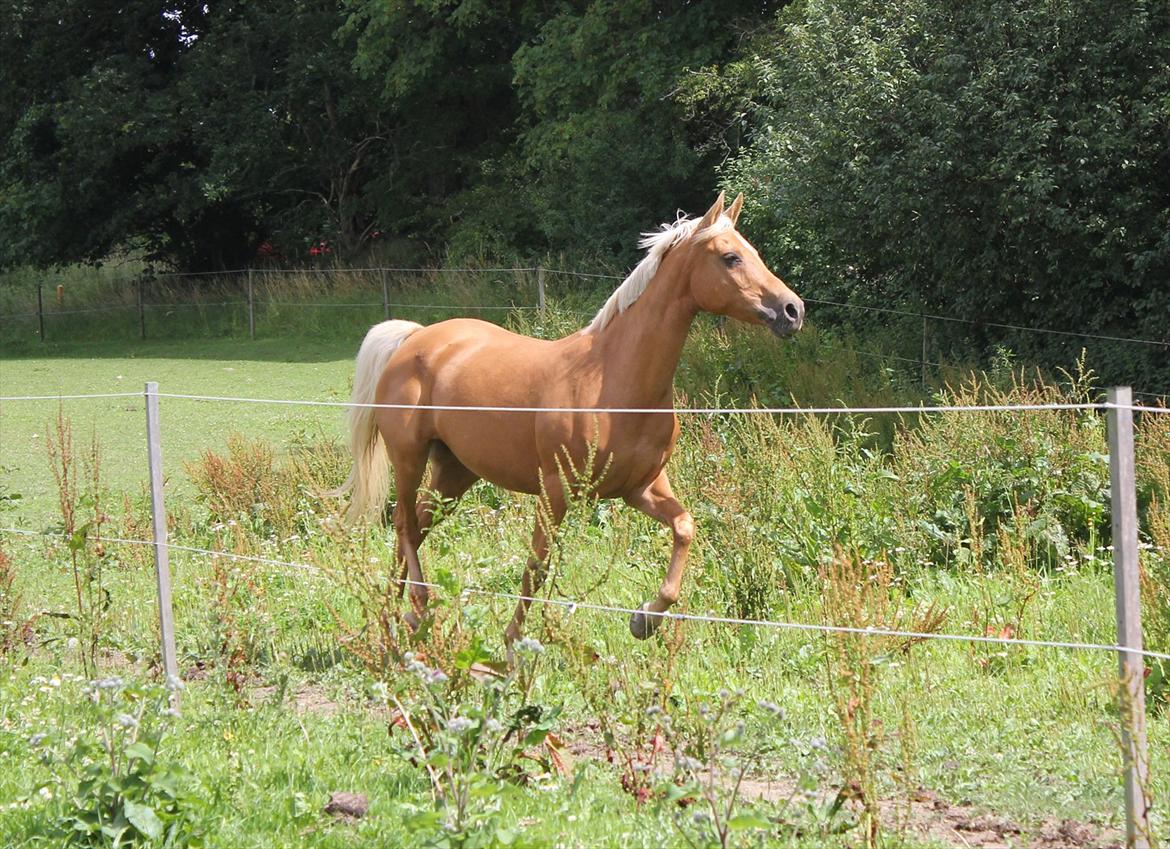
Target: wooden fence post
[(1135, 757), (385, 294), (251, 309), (162, 560), (924, 352), (141, 310), (41, 311), (540, 286)]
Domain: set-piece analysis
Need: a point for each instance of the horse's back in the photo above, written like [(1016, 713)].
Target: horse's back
[(472, 363), (468, 362)]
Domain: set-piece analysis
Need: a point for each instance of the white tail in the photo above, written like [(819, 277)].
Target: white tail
[(369, 480)]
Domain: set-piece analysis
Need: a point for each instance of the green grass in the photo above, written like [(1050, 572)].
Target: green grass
[(308, 369), (1029, 735)]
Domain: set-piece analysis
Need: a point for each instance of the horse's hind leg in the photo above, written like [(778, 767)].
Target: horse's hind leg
[(548, 517), (658, 502), (409, 463), (449, 480)]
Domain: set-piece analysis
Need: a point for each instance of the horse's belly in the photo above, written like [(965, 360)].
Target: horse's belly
[(500, 453)]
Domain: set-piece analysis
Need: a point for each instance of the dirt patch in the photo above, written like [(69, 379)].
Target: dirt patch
[(927, 815), (308, 698)]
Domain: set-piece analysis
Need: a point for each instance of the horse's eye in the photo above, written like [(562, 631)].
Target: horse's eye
[(731, 260)]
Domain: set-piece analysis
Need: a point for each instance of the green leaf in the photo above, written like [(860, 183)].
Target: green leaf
[(76, 540), (143, 818), (141, 751), (473, 654), (747, 820), (677, 792)]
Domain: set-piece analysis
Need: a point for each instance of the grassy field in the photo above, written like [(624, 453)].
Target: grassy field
[(988, 524)]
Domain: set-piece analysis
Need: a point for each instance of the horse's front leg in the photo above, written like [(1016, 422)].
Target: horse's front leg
[(658, 502), (548, 517)]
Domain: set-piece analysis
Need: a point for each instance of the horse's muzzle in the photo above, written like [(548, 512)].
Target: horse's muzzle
[(784, 317)]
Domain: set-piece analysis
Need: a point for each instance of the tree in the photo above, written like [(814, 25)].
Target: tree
[(604, 149), (94, 142), (993, 161)]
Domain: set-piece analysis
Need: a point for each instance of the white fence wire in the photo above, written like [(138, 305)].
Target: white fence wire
[(573, 606), (920, 409)]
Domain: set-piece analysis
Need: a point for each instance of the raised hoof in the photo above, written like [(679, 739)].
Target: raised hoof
[(412, 620), (644, 623)]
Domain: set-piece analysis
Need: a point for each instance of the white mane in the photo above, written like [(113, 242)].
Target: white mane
[(657, 244)]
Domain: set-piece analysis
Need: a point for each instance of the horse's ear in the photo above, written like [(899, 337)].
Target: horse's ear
[(712, 214), (736, 206)]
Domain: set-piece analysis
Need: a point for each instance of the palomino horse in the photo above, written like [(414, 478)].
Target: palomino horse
[(625, 358)]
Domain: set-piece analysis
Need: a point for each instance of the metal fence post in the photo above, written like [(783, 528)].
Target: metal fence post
[(251, 309), (41, 311), (385, 293), (162, 560), (1135, 758), (540, 286)]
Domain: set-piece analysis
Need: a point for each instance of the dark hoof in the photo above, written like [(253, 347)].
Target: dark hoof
[(644, 623)]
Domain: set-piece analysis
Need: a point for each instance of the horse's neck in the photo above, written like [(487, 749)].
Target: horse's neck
[(640, 348)]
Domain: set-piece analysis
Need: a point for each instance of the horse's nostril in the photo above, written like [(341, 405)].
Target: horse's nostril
[(791, 311)]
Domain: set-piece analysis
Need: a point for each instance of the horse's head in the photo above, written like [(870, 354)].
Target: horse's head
[(727, 276)]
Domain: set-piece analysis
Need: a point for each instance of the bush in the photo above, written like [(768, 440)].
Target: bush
[(992, 161)]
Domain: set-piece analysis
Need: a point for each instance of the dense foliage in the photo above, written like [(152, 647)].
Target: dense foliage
[(197, 132), (995, 162)]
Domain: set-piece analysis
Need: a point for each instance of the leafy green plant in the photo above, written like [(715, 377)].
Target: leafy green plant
[(861, 594), (80, 500), (999, 468), (719, 742), (1153, 461), (629, 697), (462, 715), (116, 788), (478, 735)]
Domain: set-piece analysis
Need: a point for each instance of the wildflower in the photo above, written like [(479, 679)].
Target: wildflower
[(494, 725), (438, 676), (126, 720), (171, 712), (174, 682), (37, 739), (108, 683), (420, 669), (45, 793), (653, 710), (460, 724), (686, 762), (700, 817), (529, 644)]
